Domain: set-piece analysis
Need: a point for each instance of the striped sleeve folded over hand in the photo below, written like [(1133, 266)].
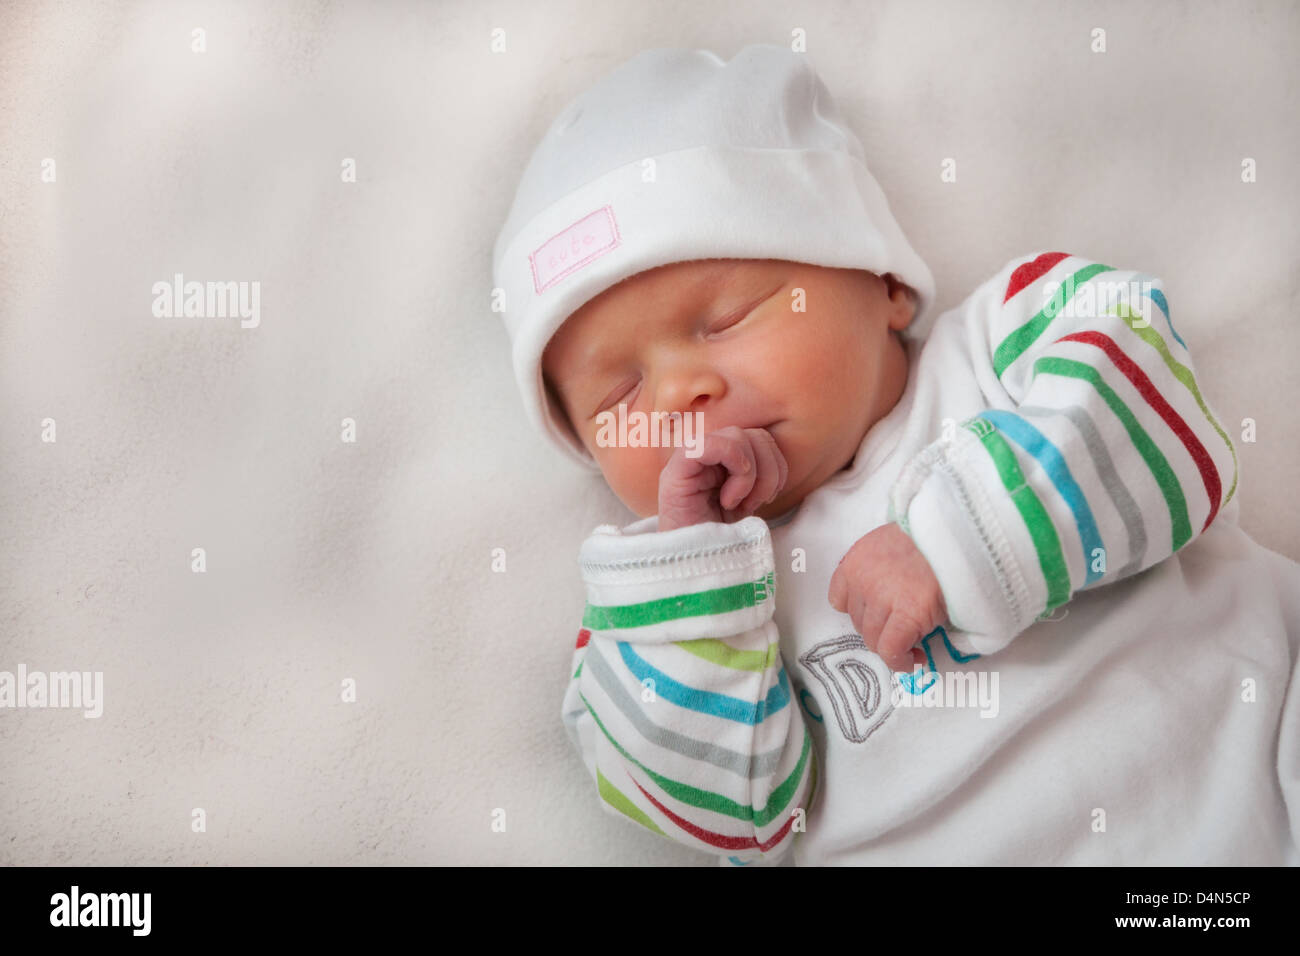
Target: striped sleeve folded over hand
[(1098, 456), (679, 701)]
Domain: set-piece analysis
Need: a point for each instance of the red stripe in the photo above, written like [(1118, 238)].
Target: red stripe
[(1030, 271), (1209, 474), (584, 636), (717, 839)]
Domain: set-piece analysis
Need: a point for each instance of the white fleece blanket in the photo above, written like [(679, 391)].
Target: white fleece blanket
[(348, 679)]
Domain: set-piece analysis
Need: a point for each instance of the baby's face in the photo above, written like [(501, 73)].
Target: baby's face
[(723, 337)]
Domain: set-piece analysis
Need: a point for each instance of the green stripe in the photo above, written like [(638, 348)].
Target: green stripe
[(779, 799), (1014, 345), (707, 799), (615, 798), (716, 601), (1041, 530), (724, 655), (1183, 374), (1160, 469)]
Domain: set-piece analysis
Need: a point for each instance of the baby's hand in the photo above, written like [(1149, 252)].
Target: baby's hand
[(738, 470), (889, 590)]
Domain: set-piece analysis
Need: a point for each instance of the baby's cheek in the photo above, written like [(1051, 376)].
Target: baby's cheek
[(633, 475), (649, 465)]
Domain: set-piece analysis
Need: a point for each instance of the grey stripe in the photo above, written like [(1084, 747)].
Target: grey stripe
[(1110, 479), (738, 763)]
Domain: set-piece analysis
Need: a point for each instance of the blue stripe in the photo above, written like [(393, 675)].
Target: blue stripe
[(706, 701), (1037, 444), (1158, 298), (737, 861)]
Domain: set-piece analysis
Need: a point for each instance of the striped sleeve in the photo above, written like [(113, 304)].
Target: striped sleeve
[(679, 700), (1098, 456)]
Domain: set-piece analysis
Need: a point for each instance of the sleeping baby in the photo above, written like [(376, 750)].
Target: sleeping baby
[(904, 588)]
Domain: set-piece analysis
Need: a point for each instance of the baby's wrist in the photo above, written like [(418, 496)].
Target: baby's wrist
[(671, 522)]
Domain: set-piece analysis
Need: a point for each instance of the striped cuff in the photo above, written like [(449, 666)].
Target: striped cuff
[(698, 581), (941, 500)]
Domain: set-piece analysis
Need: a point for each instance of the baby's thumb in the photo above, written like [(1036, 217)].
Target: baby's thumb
[(896, 641), (838, 593)]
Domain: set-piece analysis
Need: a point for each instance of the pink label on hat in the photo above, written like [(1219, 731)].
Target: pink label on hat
[(570, 249)]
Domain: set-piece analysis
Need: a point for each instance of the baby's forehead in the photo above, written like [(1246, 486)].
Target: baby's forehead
[(663, 286), (667, 288)]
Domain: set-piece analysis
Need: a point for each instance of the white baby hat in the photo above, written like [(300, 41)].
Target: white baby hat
[(678, 155)]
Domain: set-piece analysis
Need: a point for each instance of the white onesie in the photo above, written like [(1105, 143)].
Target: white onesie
[(1111, 686)]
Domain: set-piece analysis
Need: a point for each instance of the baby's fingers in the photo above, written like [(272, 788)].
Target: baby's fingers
[(770, 471), (838, 594), (896, 643), (729, 448)]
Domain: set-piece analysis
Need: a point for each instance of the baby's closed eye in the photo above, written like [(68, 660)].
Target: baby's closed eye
[(736, 317), (621, 392)]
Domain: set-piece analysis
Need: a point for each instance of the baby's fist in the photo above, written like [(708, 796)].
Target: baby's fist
[(889, 590), (737, 471)]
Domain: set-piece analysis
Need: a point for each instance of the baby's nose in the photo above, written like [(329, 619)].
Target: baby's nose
[(698, 390)]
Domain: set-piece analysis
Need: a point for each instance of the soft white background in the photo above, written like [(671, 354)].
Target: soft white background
[(372, 561)]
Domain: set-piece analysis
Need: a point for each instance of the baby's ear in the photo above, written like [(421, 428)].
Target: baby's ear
[(893, 284), (895, 289)]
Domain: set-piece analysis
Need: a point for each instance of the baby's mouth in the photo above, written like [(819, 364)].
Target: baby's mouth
[(675, 427), (767, 427)]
